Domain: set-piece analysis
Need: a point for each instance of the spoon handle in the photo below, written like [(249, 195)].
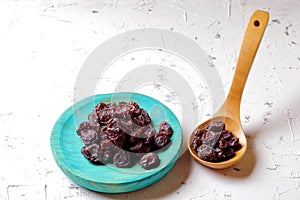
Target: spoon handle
[(253, 35)]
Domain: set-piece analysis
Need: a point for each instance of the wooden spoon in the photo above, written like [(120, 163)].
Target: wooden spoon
[(229, 113)]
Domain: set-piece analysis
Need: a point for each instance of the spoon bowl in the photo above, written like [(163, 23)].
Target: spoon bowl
[(237, 131), (229, 113)]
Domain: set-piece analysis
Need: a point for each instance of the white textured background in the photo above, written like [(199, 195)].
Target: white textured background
[(44, 43)]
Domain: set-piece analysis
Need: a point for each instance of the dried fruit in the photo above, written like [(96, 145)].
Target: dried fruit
[(161, 140), (93, 153), (207, 153), (216, 126), (122, 159), (165, 128), (121, 132), (214, 143), (149, 161), (89, 136)]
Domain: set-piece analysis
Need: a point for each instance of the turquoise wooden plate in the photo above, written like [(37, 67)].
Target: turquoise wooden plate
[(66, 146)]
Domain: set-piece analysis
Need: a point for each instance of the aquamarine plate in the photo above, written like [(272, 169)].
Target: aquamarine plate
[(66, 146)]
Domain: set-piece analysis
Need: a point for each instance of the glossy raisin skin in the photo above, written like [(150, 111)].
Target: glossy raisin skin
[(122, 159), (93, 153), (89, 136), (161, 140), (122, 133), (86, 126), (216, 126), (214, 143), (165, 128), (149, 161), (207, 153)]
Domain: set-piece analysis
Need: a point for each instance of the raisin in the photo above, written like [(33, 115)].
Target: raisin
[(112, 105), (223, 144), (220, 154), (207, 153), (165, 128), (149, 161), (93, 153), (216, 126), (214, 143), (227, 135), (148, 136), (122, 159), (133, 108), (106, 144), (229, 152), (234, 142), (103, 134), (143, 119), (125, 125), (105, 116), (112, 131), (138, 133), (136, 144), (211, 138), (201, 133), (83, 126), (122, 111), (89, 136), (93, 119), (196, 142), (100, 106), (119, 140), (161, 140)]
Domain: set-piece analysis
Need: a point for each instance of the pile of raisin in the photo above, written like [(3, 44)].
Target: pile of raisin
[(214, 143), (122, 134)]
